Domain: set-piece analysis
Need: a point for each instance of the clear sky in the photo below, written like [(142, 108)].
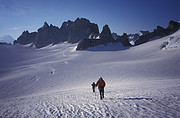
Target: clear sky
[(128, 16)]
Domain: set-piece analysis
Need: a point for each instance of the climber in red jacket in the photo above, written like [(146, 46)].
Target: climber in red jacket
[(101, 84)]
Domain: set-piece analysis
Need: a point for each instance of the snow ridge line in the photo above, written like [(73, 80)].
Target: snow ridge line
[(108, 110)]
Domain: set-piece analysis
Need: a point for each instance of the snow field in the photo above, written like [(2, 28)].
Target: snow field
[(136, 100), (55, 81)]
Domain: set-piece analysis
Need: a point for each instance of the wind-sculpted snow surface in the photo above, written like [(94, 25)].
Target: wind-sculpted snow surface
[(141, 99), (55, 81)]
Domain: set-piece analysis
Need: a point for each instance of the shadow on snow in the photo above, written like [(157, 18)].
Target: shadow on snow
[(109, 47), (131, 98)]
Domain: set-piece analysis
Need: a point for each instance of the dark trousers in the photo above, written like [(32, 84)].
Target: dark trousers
[(93, 89), (101, 91)]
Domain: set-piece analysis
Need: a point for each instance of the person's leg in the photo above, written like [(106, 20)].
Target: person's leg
[(100, 91), (93, 89), (103, 92)]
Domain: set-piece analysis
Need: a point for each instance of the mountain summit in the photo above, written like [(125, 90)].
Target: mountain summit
[(7, 39), (87, 34), (70, 31)]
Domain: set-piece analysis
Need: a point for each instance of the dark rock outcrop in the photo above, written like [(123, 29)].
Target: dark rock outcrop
[(26, 38), (172, 27), (78, 30), (159, 31), (70, 31), (87, 33), (105, 37), (145, 38), (87, 43), (124, 40), (47, 35)]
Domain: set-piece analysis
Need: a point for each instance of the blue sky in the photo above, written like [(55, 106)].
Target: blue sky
[(128, 16)]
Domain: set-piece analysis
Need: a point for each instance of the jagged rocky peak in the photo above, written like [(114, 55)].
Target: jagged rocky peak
[(70, 31), (81, 28), (173, 26), (76, 31), (159, 28), (103, 38), (82, 21), (26, 32), (106, 34), (124, 39), (106, 29), (125, 35), (51, 25), (160, 31), (47, 35), (85, 24), (45, 25), (26, 38), (77, 22), (66, 24)]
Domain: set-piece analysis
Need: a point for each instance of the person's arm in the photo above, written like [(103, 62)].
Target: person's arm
[(97, 83)]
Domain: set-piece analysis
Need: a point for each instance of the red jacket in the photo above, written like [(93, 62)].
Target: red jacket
[(100, 83)]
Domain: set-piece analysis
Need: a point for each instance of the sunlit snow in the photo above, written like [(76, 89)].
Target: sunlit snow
[(55, 81)]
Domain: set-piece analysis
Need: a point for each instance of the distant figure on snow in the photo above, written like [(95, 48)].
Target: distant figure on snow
[(101, 84), (93, 86)]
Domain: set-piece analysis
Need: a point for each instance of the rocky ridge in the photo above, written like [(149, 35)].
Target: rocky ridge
[(70, 31), (86, 34)]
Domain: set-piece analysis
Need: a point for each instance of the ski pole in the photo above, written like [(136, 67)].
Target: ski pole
[(95, 94)]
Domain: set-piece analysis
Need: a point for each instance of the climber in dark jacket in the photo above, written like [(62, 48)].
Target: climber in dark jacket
[(93, 86)]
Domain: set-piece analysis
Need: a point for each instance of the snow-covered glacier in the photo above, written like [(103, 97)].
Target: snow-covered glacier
[(55, 81)]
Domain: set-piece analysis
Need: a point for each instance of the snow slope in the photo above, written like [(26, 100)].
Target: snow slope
[(55, 81), (172, 42)]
